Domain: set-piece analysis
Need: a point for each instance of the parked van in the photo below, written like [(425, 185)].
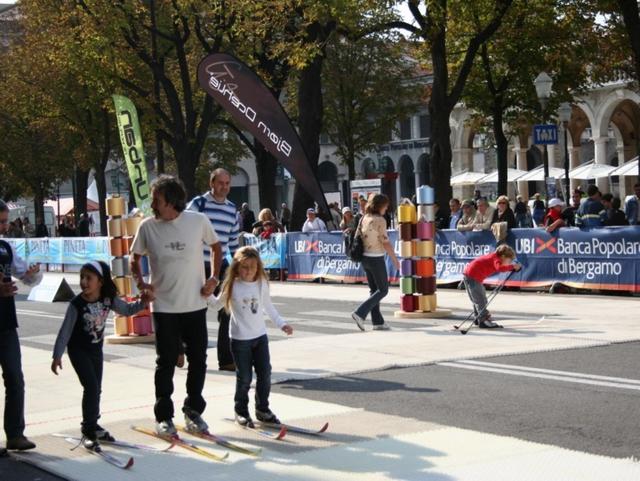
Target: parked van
[(22, 211), (49, 218)]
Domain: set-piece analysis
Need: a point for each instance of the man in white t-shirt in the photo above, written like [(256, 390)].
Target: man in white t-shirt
[(172, 240), (313, 223)]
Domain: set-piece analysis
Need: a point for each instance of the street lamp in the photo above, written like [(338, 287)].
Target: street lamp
[(543, 85), (564, 114)]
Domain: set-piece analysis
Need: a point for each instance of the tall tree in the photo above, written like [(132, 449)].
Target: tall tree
[(369, 85), (556, 36), (77, 89), (630, 12), (324, 20), (265, 39), (186, 31), (451, 58)]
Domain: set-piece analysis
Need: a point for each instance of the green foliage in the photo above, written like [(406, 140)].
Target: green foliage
[(556, 36), (369, 85)]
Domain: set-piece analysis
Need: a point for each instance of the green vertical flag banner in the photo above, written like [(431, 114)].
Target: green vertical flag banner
[(131, 139)]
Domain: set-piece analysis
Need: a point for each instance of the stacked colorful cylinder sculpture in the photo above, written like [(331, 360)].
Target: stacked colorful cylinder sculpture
[(417, 252), (121, 233)]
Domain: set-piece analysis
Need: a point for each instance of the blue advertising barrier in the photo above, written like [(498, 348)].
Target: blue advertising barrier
[(321, 255), (273, 251), (605, 259), (62, 250)]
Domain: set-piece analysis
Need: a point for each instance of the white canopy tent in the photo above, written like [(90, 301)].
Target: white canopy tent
[(591, 170), (467, 178), (512, 176), (537, 174), (627, 169)]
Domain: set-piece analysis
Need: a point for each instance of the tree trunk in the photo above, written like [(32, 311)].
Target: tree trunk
[(266, 167), (81, 180), (38, 207), (101, 182), (310, 107), (351, 165), (502, 145), (631, 15), (186, 169), (440, 161), (440, 107), (101, 185)]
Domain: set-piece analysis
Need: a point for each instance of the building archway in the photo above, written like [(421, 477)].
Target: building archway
[(390, 180), (369, 169), (328, 176), (424, 168)]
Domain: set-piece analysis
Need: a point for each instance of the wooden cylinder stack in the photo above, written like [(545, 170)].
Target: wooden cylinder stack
[(418, 251), (121, 233)]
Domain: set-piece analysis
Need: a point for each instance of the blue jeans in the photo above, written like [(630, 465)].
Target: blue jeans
[(247, 354), (376, 270), (11, 362)]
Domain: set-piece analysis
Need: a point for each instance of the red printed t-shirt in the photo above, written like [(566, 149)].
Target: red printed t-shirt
[(484, 266)]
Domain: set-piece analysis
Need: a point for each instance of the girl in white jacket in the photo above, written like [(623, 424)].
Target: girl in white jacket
[(245, 295)]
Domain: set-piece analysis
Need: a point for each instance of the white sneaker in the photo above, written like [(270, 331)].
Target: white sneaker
[(358, 319), (382, 327), (488, 324), (244, 420), (194, 422), (166, 428)]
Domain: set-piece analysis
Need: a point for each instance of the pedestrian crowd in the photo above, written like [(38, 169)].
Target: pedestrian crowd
[(23, 228), (590, 209)]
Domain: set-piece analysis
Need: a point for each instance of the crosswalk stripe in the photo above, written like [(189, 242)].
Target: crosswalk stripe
[(514, 372), (623, 380)]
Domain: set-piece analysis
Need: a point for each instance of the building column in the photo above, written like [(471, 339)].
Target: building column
[(620, 151), (622, 187), (398, 190), (600, 149), (466, 157), (574, 161), (466, 163), (418, 175), (521, 164)]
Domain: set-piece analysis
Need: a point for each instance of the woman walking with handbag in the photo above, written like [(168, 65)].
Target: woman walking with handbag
[(373, 231)]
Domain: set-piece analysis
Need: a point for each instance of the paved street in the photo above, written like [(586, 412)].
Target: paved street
[(591, 403), (554, 383)]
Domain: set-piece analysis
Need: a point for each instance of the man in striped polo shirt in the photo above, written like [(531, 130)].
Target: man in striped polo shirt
[(222, 214)]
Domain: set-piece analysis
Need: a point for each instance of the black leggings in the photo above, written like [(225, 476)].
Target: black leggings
[(88, 366)]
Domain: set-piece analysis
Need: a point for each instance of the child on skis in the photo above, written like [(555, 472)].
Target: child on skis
[(245, 295), (502, 260), (82, 334)]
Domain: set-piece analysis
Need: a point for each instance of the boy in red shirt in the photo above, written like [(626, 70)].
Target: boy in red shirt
[(477, 271), (555, 217)]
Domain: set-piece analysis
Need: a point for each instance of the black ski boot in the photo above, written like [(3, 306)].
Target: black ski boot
[(244, 420), (267, 417), (103, 435)]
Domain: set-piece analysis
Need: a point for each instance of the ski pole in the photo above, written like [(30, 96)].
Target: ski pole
[(491, 296), (495, 292)]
